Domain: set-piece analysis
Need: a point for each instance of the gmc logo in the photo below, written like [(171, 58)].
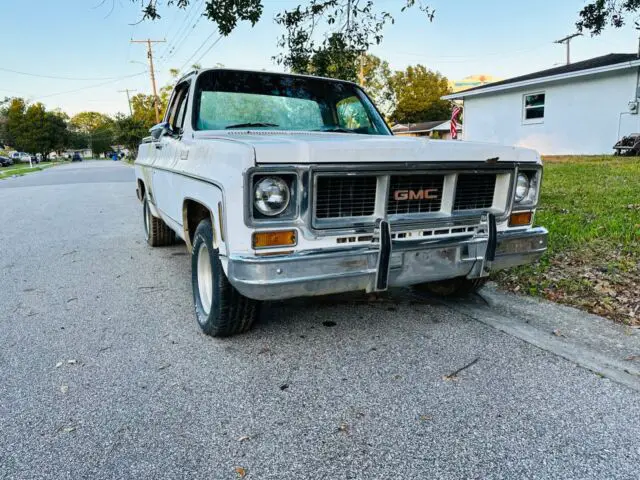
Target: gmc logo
[(424, 194)]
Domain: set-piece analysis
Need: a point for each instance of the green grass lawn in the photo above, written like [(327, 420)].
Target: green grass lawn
[(591, 207), (24, 168)]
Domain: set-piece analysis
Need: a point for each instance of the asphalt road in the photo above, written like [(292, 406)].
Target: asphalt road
[(105, 374)]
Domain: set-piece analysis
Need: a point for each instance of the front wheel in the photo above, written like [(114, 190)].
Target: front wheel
[(452, 287), (221, 310)]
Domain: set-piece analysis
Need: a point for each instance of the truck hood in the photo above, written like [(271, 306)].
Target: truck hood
[(314, 148)]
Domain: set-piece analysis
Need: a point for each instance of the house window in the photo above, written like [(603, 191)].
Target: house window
[(533, 108)]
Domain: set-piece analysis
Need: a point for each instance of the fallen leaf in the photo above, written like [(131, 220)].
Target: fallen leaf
[(64, 388), (426, 418), (284, 386), (558, 333), (631, 358), (240, 472), (244, 438), (343, 427), (67, 429), (58, 365), (73, 361)]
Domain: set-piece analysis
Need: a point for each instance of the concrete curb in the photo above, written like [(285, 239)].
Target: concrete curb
[(589, 341)]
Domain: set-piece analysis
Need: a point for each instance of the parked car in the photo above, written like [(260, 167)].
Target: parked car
[(76, 157), (285, 186), (5, 161)]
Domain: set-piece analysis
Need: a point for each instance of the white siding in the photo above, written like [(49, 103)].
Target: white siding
[(581, 115)]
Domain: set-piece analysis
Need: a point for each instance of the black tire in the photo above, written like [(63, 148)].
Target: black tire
[(156, 232), (452, 287), (229, 311)]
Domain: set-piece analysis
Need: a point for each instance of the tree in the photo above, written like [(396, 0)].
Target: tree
[(14, 123), (144, 106), (92, 130), (348, 28), (56, 131), (129, 131), (417, 93), (33, 135), (102, 138), (32, 128), (87, 122), (599, 14), (377, 82)]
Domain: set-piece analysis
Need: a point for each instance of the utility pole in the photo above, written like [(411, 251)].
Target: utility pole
[(567, 40), (148, 41), (128, 98)]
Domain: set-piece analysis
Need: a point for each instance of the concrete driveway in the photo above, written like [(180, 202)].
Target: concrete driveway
[(104, 372)]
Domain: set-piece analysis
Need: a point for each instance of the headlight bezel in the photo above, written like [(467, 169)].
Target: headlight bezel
[(253, 217), (532, 195)]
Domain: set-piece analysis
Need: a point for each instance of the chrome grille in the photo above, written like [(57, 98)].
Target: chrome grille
[(414, 194), (345, 196), (474, 191)]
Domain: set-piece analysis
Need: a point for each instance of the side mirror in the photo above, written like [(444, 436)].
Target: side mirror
[(161, 130)]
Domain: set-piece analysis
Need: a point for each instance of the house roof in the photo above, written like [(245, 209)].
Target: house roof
[(446, 126), (416, 127), (605, 63)]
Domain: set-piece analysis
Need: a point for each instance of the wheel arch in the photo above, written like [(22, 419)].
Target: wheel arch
[(141, 189), (193, 212)]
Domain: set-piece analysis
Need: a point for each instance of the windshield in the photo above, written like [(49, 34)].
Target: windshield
[(230, 99)]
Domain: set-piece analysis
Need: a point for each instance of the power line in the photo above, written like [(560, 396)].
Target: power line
[(198, 49), (54, 76), (183, 32), (178, 30), (209, 49), (181, 43), (464, 58), (90, 86)]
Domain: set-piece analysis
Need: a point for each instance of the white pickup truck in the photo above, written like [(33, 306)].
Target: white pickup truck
[(284, 186)]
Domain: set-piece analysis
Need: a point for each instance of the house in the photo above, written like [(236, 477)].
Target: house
[(440, 129), (580, 108)]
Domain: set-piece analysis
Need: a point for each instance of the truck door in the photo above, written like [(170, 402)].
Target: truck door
[(168, 147)]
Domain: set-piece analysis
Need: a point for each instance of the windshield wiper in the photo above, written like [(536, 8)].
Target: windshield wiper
[(252, 124), (335, 129)]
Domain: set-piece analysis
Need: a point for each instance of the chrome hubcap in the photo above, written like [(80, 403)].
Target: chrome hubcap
[(205, 279)]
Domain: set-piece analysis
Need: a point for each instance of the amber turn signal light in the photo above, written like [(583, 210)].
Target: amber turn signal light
[(520, 219), (282, 238)]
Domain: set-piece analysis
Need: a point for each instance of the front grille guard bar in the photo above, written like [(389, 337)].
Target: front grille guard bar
[(481, 268)]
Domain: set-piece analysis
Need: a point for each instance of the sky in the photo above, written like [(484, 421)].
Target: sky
[(86, 45)]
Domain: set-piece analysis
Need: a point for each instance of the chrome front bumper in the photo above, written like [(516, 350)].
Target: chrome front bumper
[(360, 268)]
